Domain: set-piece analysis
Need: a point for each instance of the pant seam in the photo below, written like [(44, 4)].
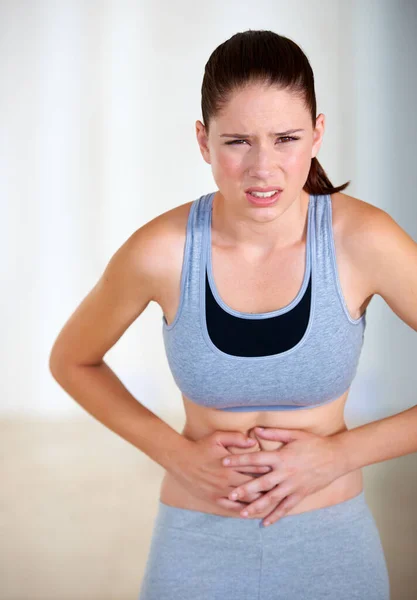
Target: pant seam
[(260, 566)]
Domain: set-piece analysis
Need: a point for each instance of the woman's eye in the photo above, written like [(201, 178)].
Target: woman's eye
[(234, 142), (281, 138)]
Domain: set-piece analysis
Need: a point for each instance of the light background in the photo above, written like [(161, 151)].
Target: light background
[(97, 110)]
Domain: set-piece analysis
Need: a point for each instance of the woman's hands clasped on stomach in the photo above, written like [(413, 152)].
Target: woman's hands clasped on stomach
[(201, 472)]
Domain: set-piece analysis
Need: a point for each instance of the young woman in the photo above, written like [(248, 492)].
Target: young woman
[(264, 285)]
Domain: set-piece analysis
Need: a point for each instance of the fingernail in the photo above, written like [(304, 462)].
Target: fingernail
[(226, 461)]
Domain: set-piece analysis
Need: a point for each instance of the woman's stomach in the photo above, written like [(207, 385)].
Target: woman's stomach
[(323, 420)]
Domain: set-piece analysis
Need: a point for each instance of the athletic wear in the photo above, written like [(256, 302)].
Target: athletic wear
[(330, 552), (299, 356)]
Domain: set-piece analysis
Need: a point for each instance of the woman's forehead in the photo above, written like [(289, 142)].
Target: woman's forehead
[(258, 101), (276, 117)]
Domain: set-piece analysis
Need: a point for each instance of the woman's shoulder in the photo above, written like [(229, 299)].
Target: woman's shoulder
[(382, 252), (358, 227), (352, 217), (349, 207), (168, 227), (160, 242)]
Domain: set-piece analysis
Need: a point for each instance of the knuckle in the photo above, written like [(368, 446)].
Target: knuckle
[(276, 493), (294, 499), (251, 498), (269, 479), (284, 502), (254, 496), (289, 502)]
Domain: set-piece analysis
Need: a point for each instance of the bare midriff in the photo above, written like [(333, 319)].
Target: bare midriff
[(323, 420)]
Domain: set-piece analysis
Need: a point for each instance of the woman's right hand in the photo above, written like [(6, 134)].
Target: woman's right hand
[(201, 472)]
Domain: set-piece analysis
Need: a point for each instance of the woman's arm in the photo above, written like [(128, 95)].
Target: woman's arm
[(387, 256), (98, 389), (76, 362), (378, 441)]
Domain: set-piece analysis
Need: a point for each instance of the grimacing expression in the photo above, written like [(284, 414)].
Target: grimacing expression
[(261, 155)]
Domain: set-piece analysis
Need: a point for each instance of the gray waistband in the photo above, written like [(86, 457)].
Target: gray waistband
[(238, 527)]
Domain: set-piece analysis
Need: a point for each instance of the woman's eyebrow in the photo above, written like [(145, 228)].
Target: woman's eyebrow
[(246, 135)]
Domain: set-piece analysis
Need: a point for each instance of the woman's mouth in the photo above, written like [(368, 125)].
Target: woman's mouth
[(263, 201)]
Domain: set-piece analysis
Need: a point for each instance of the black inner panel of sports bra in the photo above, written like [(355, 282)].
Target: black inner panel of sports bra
[(239, 336)]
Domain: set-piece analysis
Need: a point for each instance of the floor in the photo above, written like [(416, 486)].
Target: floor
[(78, 504)]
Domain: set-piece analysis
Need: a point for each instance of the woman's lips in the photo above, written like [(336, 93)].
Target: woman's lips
[(269, 201)]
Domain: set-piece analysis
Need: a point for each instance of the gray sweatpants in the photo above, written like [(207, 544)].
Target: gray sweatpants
[(327, 553)]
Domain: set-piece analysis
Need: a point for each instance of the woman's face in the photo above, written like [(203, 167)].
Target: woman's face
[(261, 157)]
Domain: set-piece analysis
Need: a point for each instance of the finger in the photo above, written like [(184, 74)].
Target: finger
[(259, 484), (230, 505), (269, 499), (253, 469), (244, 449), (250, 498), (252, 474), (256, 458), (282, 435), (237, 479), (232, 438), (282, 509)]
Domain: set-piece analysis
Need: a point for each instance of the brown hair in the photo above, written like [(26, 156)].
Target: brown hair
[(262, 56)]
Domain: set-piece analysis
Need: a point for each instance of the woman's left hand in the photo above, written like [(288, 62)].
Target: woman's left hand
[(306, 463)]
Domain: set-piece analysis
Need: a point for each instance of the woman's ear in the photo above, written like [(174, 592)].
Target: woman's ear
[(202, 139), (318, 134)]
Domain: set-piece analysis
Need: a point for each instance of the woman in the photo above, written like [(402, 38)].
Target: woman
[(264, 299)]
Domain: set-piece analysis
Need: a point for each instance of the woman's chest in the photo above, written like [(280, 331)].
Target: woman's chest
[(246, 285)]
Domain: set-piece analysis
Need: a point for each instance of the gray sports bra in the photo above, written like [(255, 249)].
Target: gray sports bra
[(299, 356)]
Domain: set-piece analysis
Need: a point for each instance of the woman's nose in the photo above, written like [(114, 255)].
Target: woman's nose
[(263, 164)]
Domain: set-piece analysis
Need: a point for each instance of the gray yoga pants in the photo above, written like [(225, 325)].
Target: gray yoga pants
[(332, 552)]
